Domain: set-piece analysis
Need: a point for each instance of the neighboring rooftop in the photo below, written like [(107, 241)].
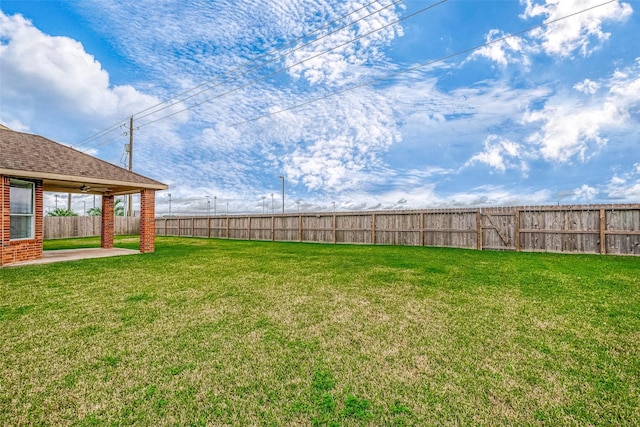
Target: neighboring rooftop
[(65, 169)]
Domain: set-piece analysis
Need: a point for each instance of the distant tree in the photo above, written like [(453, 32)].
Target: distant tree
[(94, 212), (118, 207), (62, 212)]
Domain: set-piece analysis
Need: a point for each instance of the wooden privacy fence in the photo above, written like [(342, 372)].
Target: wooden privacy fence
[(60, 227), (603, 229)]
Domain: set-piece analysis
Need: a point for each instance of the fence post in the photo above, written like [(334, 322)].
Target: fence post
[(299, 228), (422, 228), (479, 228), (603, 232), (209, 227), (373, 229), (517, 230), (249, 229), (335, 232)]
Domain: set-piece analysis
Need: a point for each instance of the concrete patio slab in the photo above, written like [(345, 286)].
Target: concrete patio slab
[(75, 254)]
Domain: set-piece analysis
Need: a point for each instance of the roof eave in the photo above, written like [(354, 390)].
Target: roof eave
[(85, 180)]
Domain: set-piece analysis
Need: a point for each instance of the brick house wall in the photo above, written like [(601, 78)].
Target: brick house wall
[(12, 251)]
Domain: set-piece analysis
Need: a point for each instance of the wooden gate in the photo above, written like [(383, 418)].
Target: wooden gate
[(498, 228)]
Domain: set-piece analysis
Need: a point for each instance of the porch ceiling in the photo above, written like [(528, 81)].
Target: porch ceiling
[(90, 186), (84, 185)]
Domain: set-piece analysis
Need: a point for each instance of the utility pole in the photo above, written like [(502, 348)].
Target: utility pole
[(130, 162)]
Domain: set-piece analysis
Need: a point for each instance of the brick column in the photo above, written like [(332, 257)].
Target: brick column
[(106, 236), (147, 220)]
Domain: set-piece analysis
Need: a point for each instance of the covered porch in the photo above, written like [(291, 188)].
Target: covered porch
[(31, 165), (108, 190)]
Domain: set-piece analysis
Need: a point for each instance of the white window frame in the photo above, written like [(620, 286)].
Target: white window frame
[(32, 215)]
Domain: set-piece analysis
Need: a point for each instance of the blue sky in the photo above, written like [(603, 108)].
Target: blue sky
[(392, 112)]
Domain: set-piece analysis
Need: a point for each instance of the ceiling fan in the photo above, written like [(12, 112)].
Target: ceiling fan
[(86, 188)]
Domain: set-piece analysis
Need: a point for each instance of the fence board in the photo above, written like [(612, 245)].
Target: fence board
[(261, 228), (317, 228), (624, 228), (450, 229)]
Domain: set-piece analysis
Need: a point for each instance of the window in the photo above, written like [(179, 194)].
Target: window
[(21, 209)]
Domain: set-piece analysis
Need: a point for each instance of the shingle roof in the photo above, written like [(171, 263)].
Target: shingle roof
[(63, 168)]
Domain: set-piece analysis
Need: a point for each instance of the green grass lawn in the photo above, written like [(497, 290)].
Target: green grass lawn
[(215, 332)]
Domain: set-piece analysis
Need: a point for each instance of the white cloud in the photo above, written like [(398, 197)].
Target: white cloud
[(587, 86), (629, 192), (504, 52), (585, 193), (570, 129), (212, 39), (52, 79), (582, 32), (560, 38), (616, 180), (568, 132), (325, 146), (625, 187), (344, 138), (345, 64), (427, 196), (222, 138), (489, 195), (500, 154)]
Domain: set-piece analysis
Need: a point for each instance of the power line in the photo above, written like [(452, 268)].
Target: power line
[(100, 134), (376, 80), (415, 67), (107, 141), (264, 63), (240, 67), (294, 65)]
